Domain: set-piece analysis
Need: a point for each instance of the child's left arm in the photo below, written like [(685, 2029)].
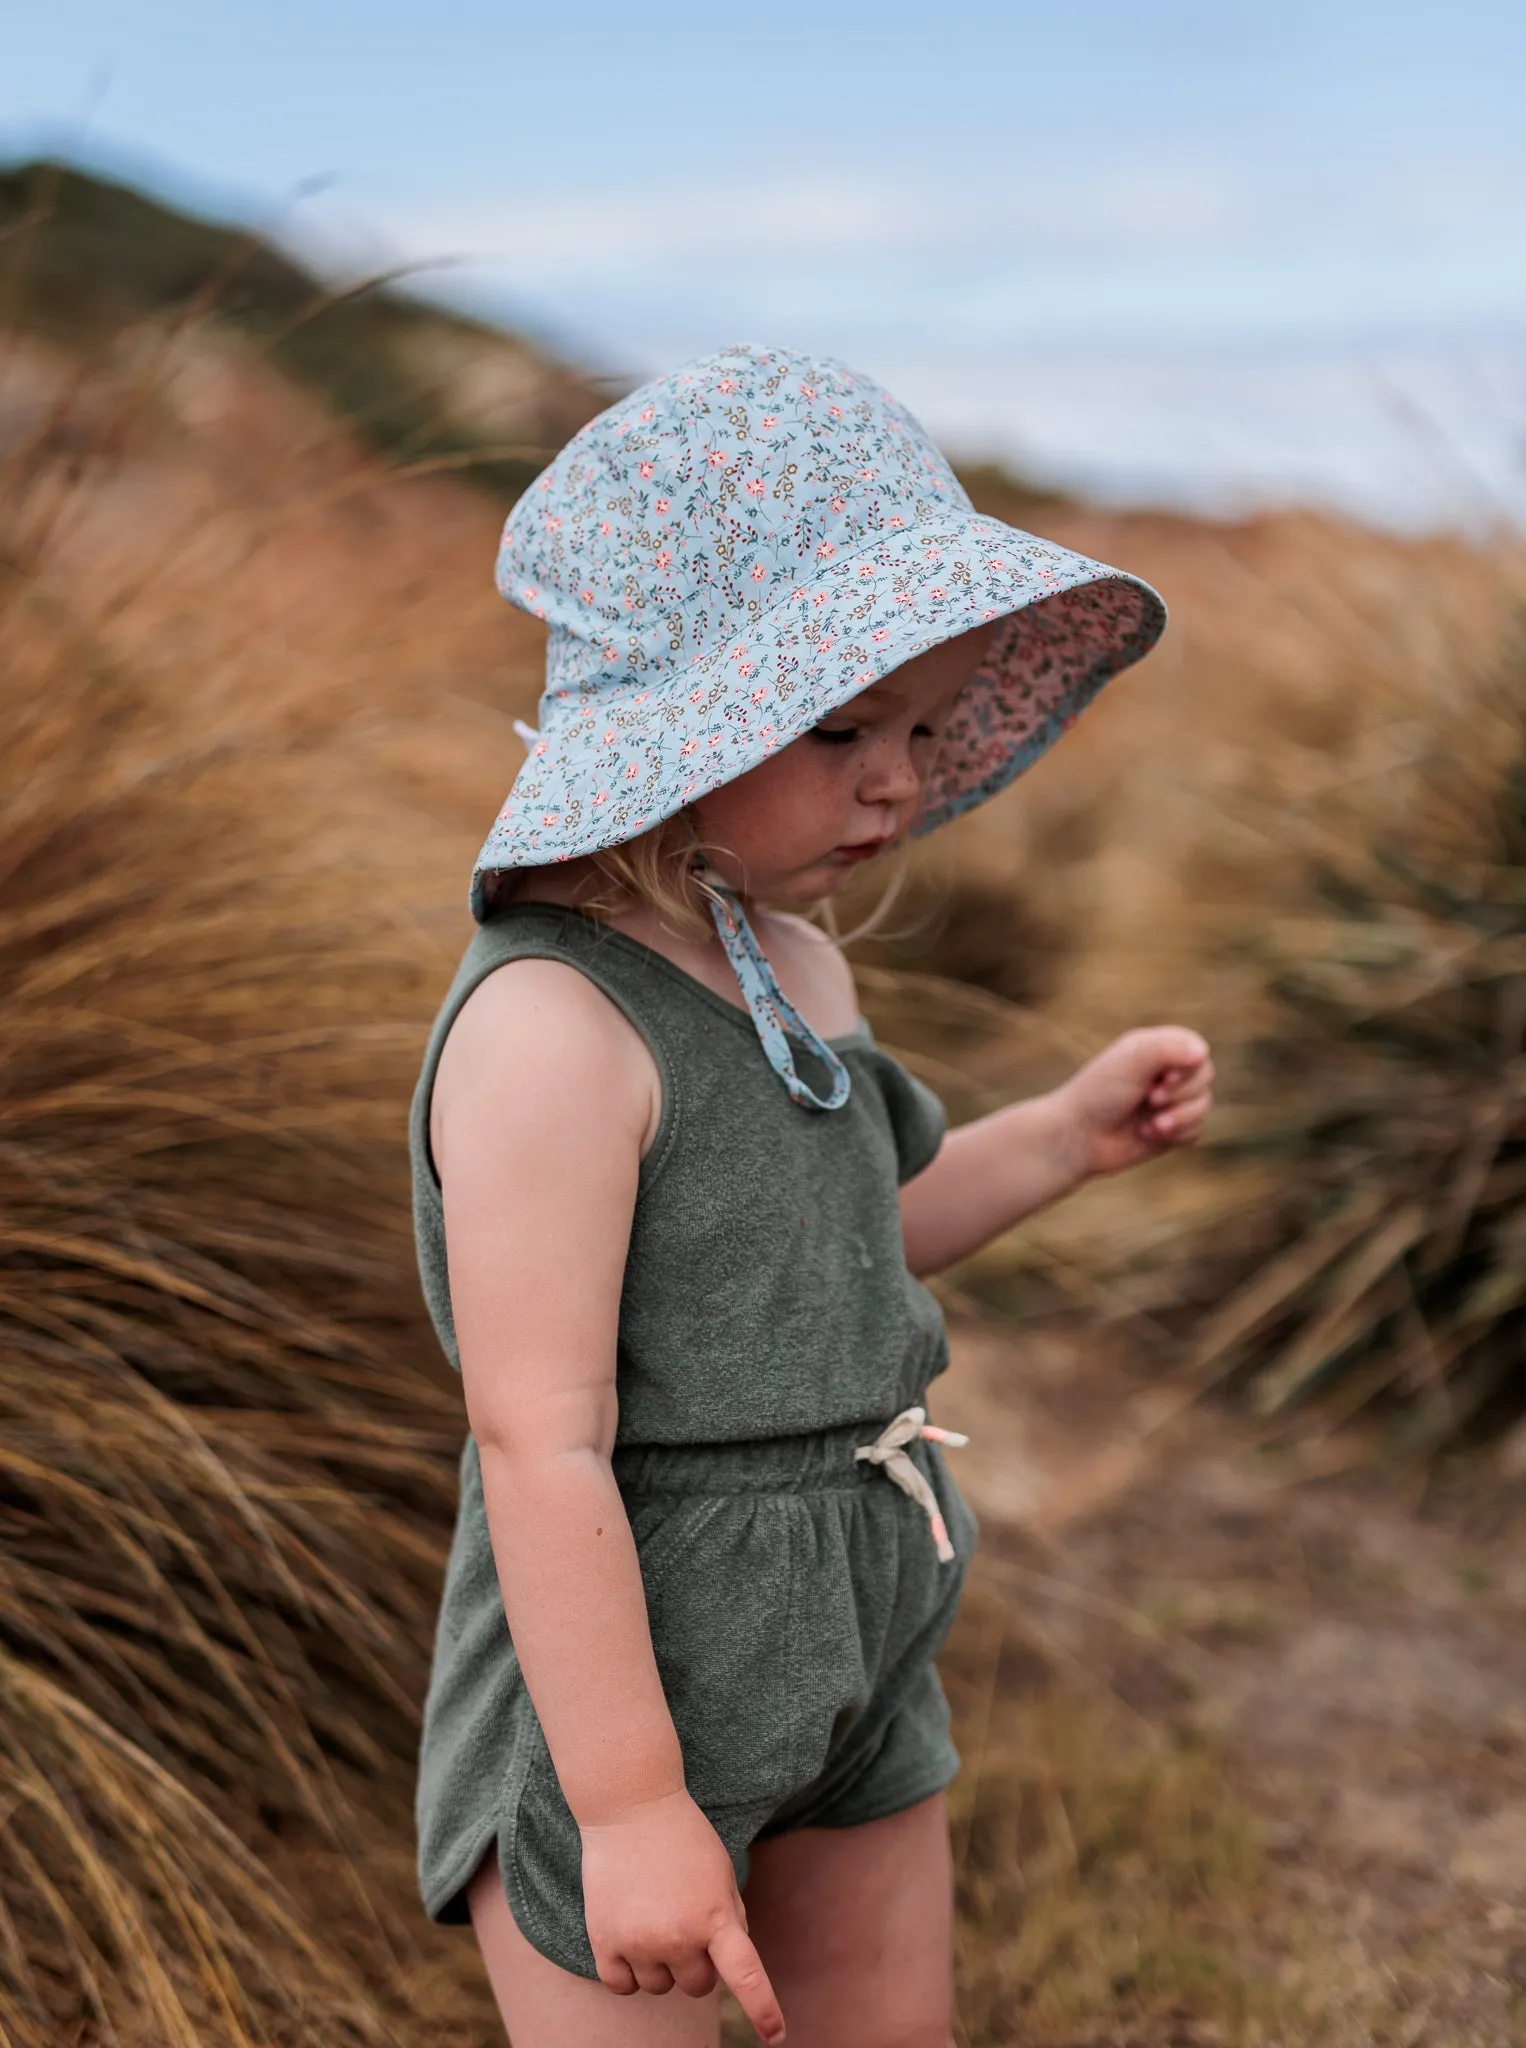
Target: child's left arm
[(1147, 1093)]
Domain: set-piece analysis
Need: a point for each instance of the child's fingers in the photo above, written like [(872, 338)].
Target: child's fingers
[(695, 1976), (1178, 1126), (1175, 1083), (739, 1964), (616, 1975), (656, 1978)]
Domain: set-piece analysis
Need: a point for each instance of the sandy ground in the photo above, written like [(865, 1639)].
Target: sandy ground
[(1353, 1644)]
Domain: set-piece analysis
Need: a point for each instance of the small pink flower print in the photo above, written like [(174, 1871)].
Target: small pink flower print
[(767, 730), (609, 654), (834, 412), (756, 487), (645, 470), (808, 391), (826, 551), (664, 558), (632, 771), (696, 696), (937, 591), (864, 680), (641, 697), (839, 504), (553, 524), (689, 789), (544, 484), (745, 669), (714, 740), (727, 384), (758, 695), (896, 519), (539, 748), (819, 598), (601, 798), (716, 458), (828, 642), (996, 562), (604, 528), (688, 748), (586, 596), (866, 570), (758, 572), (629, 603), (770, 419), (648, 412), (868, 475), (609, 736), (905, 597), (549, 818), (988, 615), (880, 633), (664, 505), (531, 593)]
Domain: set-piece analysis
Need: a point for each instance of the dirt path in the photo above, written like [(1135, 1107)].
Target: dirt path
[(1357, 1660)]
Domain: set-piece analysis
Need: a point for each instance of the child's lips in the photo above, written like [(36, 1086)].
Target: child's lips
[(863, 849)]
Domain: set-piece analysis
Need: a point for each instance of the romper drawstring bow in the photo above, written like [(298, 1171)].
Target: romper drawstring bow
[(889, 1453)]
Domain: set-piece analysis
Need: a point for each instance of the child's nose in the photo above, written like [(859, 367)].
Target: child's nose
[(890, 778)]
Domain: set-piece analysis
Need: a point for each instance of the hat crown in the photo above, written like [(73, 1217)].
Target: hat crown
[(682, 514)]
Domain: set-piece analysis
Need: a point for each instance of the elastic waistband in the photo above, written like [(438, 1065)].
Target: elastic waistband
[(822, 1461)]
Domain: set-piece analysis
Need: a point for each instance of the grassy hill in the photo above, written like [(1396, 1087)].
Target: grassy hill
[(85, 259)]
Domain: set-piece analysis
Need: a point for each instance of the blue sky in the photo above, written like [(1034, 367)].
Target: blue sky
[(948, 186)]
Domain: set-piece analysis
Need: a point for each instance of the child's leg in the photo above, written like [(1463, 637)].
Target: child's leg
[(855, 1928), (546, 2007)]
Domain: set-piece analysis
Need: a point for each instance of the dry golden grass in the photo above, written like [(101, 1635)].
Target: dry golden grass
[(254, 718), (227, 1461)]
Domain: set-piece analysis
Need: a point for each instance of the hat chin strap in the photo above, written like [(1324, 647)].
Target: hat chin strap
[(773, 1014)]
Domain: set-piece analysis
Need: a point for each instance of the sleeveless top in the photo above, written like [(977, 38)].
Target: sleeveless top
[(766, 1290)]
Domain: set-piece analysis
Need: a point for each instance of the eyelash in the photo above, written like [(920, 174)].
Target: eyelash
[(844, 735)]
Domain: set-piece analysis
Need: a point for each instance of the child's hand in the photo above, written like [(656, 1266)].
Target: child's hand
[(662, 1907), (1148, 1091)]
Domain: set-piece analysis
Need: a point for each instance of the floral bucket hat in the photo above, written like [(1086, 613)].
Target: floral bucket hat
[(736, 550)]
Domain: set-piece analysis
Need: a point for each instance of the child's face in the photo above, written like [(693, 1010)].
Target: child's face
[(793, 829)]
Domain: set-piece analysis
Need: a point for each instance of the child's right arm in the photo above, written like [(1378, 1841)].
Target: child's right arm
[(544, 1098)]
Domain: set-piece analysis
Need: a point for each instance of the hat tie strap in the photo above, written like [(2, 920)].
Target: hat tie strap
[(773, 1014), (888, 1451)]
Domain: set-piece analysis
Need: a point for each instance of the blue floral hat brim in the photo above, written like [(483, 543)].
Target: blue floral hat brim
[(603, 769)]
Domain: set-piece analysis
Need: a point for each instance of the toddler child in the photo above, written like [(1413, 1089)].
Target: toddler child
[(672, 1201)]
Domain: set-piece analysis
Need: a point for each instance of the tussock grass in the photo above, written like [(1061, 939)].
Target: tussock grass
[(1375, 1261), (226, 1456)]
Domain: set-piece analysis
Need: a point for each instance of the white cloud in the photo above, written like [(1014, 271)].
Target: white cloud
[(801, 219)]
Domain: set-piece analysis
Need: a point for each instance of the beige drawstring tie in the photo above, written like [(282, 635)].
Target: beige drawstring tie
[(888, 1452)]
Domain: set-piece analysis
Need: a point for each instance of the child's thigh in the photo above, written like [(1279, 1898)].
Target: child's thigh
[(546, 2007), (855, 1928)]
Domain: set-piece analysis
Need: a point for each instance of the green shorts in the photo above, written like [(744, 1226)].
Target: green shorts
[(797, 1603)]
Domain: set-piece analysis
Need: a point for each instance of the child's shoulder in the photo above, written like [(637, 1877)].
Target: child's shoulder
[(544, 1021)]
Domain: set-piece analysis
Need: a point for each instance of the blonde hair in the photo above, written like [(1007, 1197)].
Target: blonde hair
[(661, 869), (658, 869)]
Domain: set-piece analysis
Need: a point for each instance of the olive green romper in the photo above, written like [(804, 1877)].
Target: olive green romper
[(768, 1328)]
